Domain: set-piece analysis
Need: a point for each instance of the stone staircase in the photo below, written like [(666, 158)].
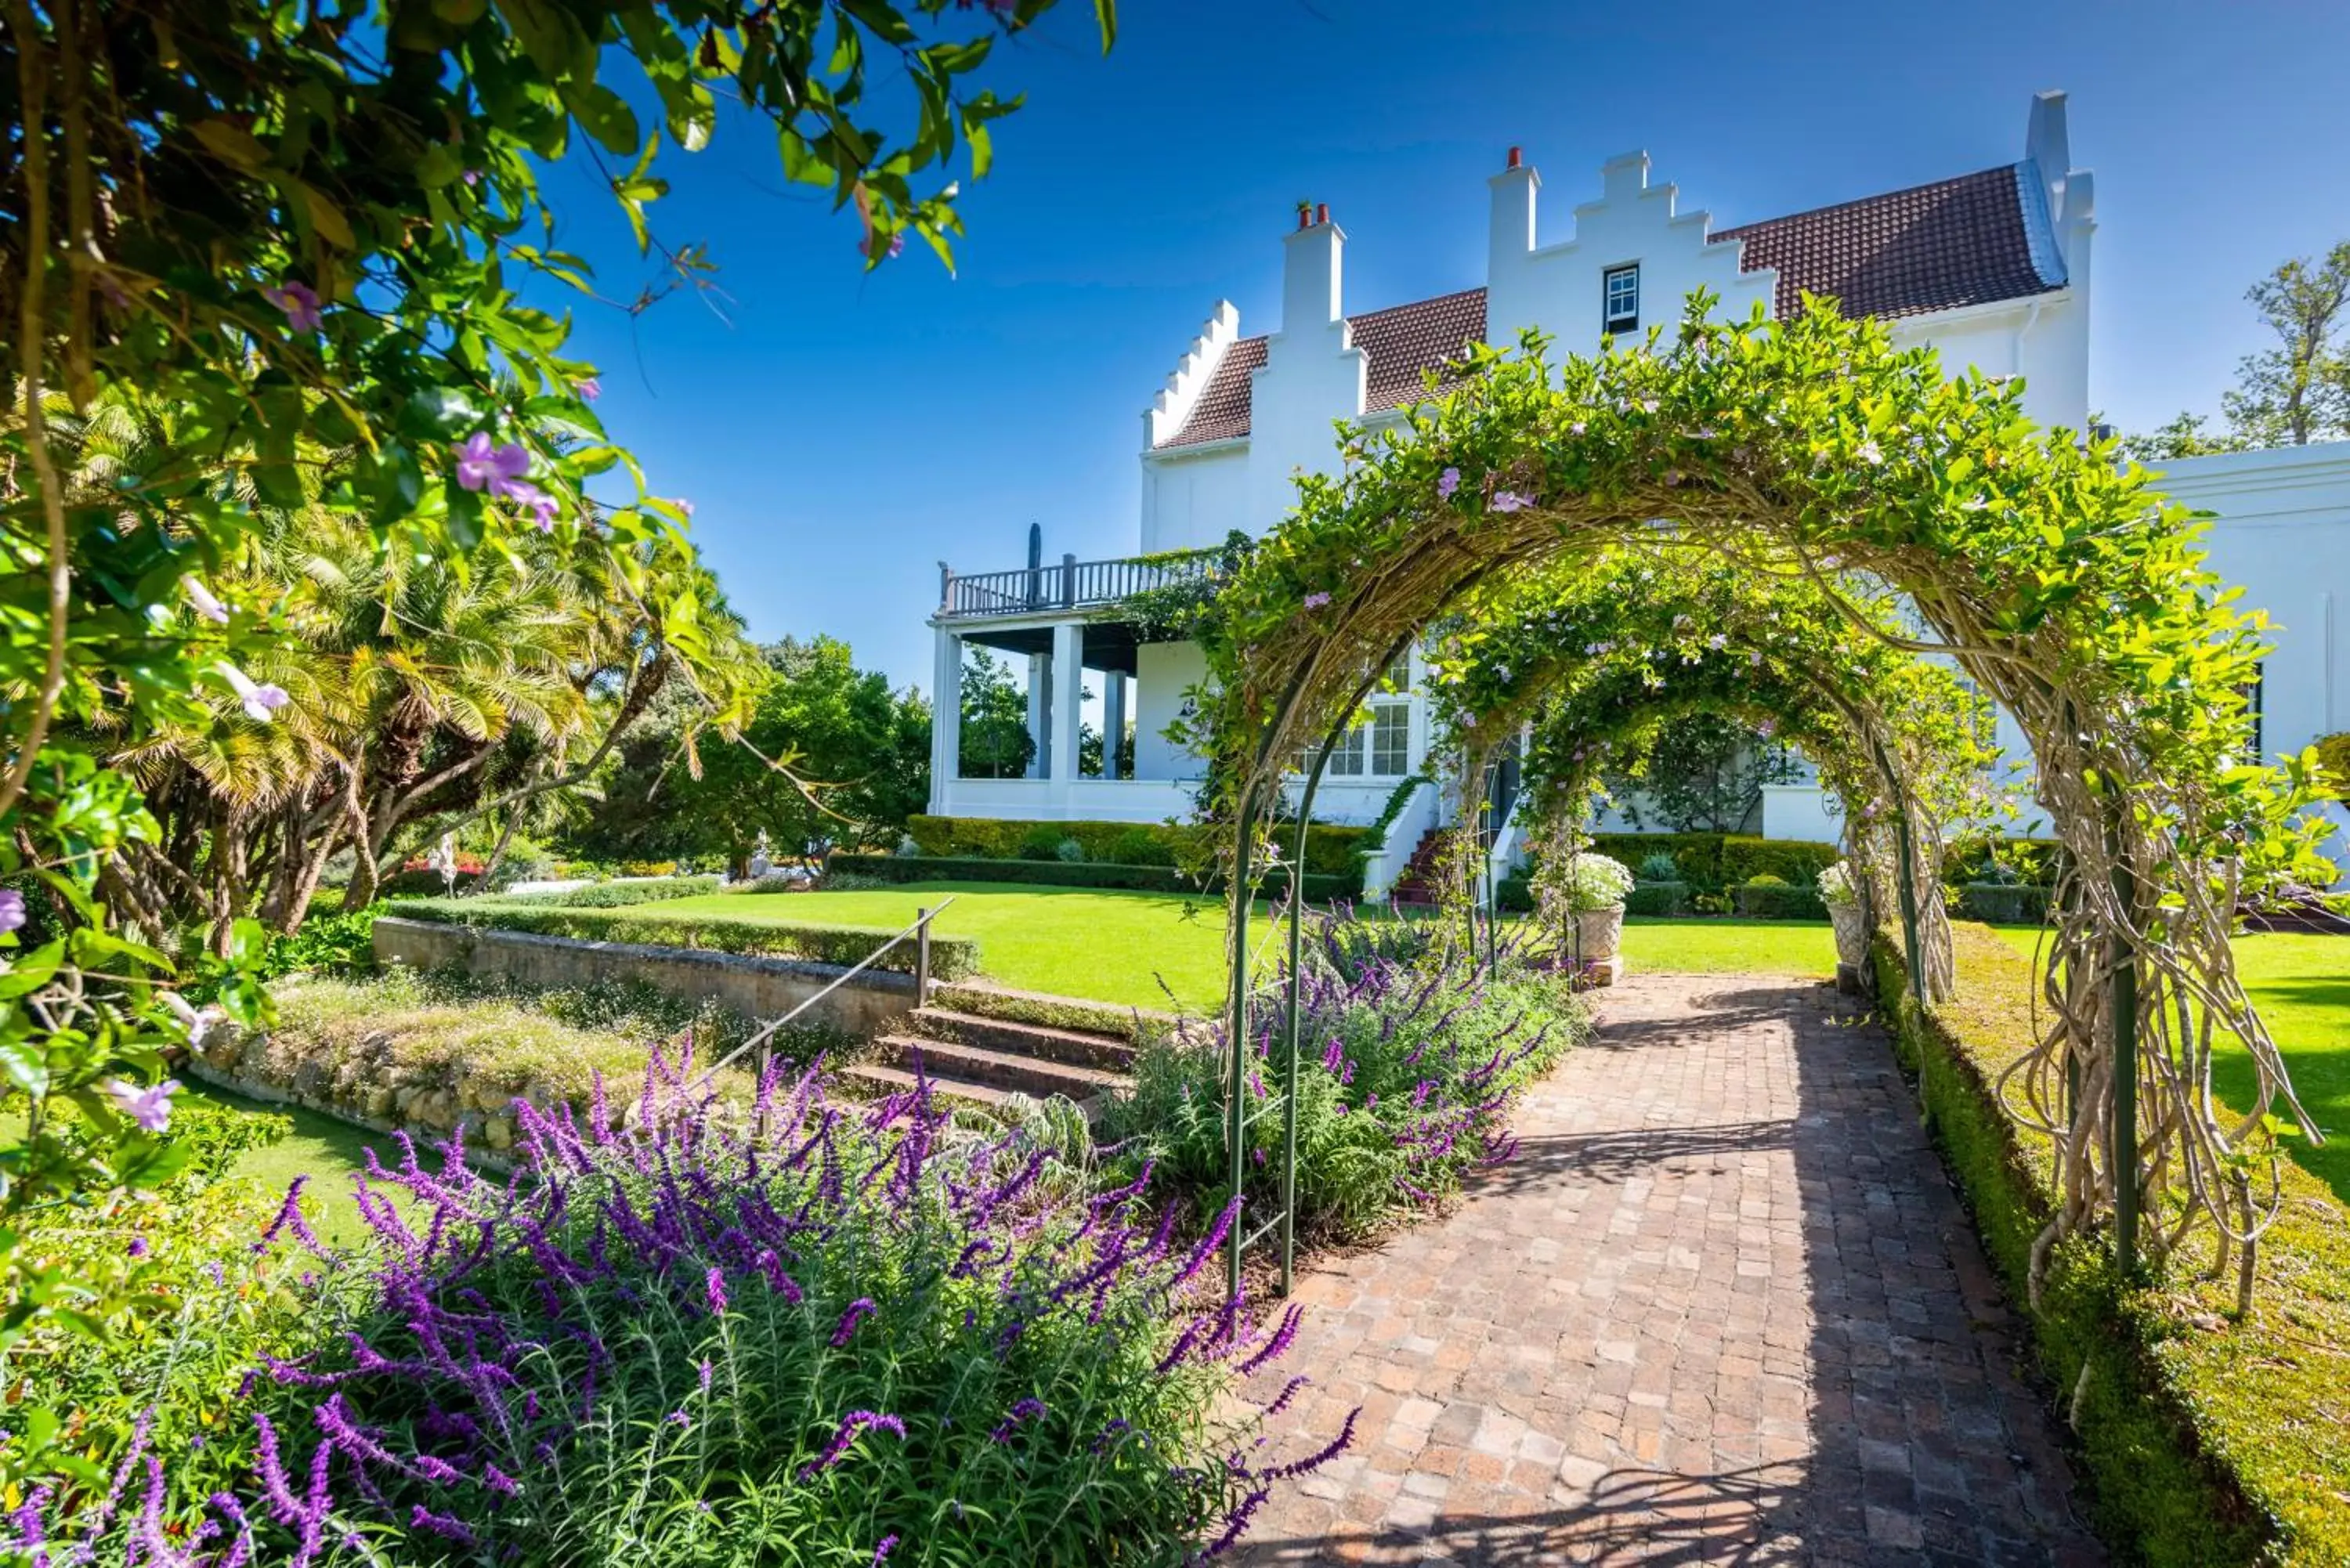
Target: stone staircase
[(980, 1044)]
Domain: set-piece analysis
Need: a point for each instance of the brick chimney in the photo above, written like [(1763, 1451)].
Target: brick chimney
[(1311, 271)]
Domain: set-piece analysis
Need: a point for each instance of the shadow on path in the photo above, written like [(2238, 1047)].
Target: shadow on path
[(1724, 1307)]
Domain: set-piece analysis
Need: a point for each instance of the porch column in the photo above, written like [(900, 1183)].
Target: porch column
[(1067, 674), (1113, 721), (946, 717), (1040, 714)]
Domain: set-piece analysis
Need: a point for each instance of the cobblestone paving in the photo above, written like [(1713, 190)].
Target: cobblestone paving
[(1724, 1307)]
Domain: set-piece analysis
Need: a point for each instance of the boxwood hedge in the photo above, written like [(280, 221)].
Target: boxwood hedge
[(1071, 873), (2207, 1439), (951, 958), (1331, 850)]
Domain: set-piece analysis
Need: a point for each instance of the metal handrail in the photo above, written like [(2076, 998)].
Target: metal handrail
[(921, 990), (1070, 584)]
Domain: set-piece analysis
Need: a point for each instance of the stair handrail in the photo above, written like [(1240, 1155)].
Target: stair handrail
[(923, 919)]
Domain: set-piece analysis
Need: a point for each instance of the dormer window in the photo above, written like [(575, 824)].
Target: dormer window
[(1620, 288)]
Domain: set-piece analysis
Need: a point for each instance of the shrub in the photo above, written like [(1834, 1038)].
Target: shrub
[(1772, 899), (1060, 874), (2196, 1429), (2334, 756), (1659, 868), (1794, 861), (1405, 1075), (1070, 852), (1140, 847), (1331, 849), (2004, 903), (1043, 842), (1589, 882), (950, 957), (620, 894), (1766, 880), (802, 1343), (648, 869), (1658, 898)]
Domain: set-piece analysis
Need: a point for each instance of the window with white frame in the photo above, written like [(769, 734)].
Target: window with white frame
[(1379, 747), (1620, 291)]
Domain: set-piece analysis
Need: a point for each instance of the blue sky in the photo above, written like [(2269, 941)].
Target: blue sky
[(841, 432)]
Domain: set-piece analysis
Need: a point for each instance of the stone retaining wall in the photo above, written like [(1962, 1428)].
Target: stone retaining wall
[(762, 989)]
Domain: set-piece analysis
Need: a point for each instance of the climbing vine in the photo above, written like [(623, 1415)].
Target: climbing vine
[(2049, 574)]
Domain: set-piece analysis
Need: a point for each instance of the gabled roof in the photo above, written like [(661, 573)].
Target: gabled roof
[(1969, 241), (1973, 240)]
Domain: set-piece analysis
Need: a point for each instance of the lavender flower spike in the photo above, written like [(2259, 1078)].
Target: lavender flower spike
[(851, 1424), (860, 1309)]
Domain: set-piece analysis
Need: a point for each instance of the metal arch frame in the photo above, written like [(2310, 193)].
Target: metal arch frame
[(1238, 1238)]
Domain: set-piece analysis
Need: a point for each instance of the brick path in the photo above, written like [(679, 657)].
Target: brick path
[(1722, 1308)]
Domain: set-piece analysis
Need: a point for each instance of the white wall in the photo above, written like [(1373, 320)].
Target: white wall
[(1557, 286), (1192, 497), (2283, 533), (1163, 672)]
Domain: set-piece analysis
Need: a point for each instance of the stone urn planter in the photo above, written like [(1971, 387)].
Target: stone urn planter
[(1598, 936), (1851, 943)]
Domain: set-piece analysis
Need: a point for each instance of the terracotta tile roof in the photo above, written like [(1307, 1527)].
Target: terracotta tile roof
[(1405, 339), (1400, 342), (1967, 240), (1223, 411)]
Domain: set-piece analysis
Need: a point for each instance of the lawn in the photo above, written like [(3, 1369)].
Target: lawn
[(327, 1151), (2301, 984), (1120, 946)]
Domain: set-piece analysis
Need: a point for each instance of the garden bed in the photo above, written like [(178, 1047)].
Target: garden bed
[(703, 928), (2208, 1440)]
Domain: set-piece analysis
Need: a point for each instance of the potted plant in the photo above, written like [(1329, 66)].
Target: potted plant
[(1839, 892), (1587, 890)]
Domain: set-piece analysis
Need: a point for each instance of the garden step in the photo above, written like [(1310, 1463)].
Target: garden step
[(944, 1059), (898, 1080), (1045, 1044), (980, 1000)]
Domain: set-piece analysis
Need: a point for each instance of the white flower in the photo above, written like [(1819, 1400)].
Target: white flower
[(260, 701), (1869, 451)]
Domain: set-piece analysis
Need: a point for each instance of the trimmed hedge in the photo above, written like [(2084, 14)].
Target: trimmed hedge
[(620, 894), (2208, 1440), (1710, 862), (2032, 860), (1658, 898), (1072, 874), (951, 958), (1331, 850), (2004, 903), (1778, 901)]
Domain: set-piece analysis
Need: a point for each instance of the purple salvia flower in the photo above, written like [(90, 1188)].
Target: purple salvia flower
[(1026, 1410), (1288, 1392), (889, 1542), (860, 1309), (853, 1422), (714, 1292), (1275, 1346)]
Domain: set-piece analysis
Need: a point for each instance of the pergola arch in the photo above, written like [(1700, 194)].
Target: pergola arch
[(1602, 651), (1810, 448)]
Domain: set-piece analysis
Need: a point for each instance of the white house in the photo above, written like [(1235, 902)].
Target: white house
[(1990, 268)]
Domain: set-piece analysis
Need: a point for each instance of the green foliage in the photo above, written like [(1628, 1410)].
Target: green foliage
[(1044, 841), (829, 753), (1659, 868), (1771, 900), (1356, 1170), (1331, 850), (2194, 1427), (1059, 873), (993, 740), (2334, 756), (2298, 392), (950, 956), (2004, 903), (1658, 898), (1704, 772), (620, 894)]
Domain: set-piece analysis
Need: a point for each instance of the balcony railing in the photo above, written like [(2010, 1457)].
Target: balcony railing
[(1070, 586)]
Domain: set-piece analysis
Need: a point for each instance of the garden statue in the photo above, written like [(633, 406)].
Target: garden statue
[(443, 860), (761, 862)]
